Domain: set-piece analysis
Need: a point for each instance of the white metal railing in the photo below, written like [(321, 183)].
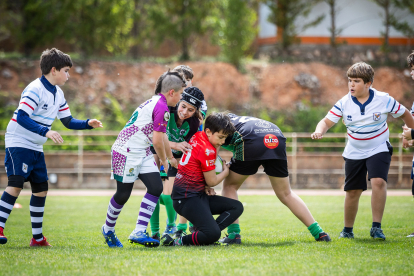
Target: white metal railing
[(294, 145)]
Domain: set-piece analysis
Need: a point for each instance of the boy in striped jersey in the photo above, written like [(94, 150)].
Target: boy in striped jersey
[(408, 133), (364, 111), (41, 101)]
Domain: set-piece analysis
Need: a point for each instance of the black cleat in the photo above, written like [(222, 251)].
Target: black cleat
[(167, 240), (323, 237), (179, 234), (229, 240)]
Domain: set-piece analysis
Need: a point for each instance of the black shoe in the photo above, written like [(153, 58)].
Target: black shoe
[(167, 240), (179, 234), (192, 229), (228, 240), (156, 236), (323, 237)]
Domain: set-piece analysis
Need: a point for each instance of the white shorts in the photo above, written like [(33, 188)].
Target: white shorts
[(126, 169)]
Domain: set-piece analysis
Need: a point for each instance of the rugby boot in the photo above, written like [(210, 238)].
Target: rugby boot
[(43, 242), (156, 236), (179, 233), (141, 237), (323, 237), (377, 233), (170, 230), (167, 240), (231, 238), (3, 238), (346, 235), (411, 235), (111, 239)]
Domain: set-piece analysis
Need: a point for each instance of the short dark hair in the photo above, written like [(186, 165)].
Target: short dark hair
[(219, 121), (410, 59), (185, 70), (54, 58)]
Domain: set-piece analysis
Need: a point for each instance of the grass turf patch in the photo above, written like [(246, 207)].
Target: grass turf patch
[(274, 242)]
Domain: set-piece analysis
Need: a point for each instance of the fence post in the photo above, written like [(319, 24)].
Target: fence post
[(400, 159), (294, 160), (80, 158)]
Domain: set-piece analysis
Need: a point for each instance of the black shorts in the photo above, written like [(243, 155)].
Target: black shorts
[(272, 167), (377, 166), (172, 172)]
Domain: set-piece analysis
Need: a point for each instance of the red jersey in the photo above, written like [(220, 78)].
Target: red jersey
[(189, 181)]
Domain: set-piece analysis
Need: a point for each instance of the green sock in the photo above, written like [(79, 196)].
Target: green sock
[(182, 226), (189, 223), (171, 214), (315, 229), (233, 229), (155, 220), (161, 200)]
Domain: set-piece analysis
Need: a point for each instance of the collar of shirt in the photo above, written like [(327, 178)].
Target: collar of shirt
[(51, 88), (362, 106)]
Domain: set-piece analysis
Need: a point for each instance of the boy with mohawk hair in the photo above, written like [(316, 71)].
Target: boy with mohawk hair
[(132, 159), (41, 102), (408, 133), (364, 111)]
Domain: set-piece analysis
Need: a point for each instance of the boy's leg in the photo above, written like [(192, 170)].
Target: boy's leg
[(228, 210), (166, 196), (155, 221), (8, 198), (197, 210), (355, 184), (378, 167)]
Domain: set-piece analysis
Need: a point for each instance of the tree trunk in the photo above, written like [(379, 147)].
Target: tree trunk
[(134, 32), (387, 25), (184, 38), (333, 27)]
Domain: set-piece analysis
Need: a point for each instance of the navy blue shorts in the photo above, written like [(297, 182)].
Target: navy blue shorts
[(25, 162)]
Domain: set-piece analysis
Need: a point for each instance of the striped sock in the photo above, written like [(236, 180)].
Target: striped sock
[(37, 208), (148, 204), (6, 206), (112, 215)]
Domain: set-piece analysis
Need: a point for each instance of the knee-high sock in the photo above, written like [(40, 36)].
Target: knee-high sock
[(171, 214), (37, 208), (6, 206), (114, 209), (148, 204), (155, 219)]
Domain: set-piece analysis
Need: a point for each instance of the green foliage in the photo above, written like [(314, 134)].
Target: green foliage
[(284, 14), (275, 242), (179, 20), (235, 29)]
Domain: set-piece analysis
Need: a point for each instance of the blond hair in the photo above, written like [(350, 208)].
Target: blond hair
[(185, 70), (361, 70)]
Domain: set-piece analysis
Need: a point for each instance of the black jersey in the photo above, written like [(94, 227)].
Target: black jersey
[(255, 139)]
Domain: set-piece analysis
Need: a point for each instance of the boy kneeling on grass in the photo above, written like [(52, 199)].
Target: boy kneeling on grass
[(193, 196)]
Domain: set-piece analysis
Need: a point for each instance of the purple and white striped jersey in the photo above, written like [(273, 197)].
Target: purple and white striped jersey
[(366, 123), (136, 137)]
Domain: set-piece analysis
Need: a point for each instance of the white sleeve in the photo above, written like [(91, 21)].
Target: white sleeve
[(335, 113), (64, 110), (30, 100), (395, 108)]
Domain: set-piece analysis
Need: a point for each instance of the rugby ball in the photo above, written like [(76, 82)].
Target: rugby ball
[(219, 164)]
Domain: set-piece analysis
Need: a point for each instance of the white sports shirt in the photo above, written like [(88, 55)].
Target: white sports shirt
[(42, 106), (412, 113), (366, 123)]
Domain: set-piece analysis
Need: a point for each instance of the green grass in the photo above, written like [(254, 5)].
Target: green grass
[(274, 242)]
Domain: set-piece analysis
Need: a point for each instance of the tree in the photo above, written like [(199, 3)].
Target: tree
[(400, 25), (180, 20), (235, 29), (385, 5), (284, 14)]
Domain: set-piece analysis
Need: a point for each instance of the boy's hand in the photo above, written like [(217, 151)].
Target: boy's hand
[(55, 136), (226, 169), (406, 133), (209, 191), (95, 123), (317, 135), (165, 164), (407, 144), (183, 146), (173, 162)]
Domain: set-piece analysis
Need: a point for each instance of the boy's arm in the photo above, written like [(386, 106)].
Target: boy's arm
[(168, 152), (72, 123), (213, 179), (408, 119), (322, 128), (24, 120), (158, 143)]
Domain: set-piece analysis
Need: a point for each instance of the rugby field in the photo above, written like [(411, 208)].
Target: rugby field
[(274, 242)]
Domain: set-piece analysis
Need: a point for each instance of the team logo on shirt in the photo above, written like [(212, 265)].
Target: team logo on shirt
[(44, 107), (182, 132), (263, 124), (24, 168), (376, 116), (210, 162), (271, 141), (166, 116), (131, 172), (208, 152), (349, 118)]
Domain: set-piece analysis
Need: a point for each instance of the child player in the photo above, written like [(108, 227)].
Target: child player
[(183, 124), (132, 159), (364, 111), (41, 102), (408, 133), (192, 195), (260, 143)]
